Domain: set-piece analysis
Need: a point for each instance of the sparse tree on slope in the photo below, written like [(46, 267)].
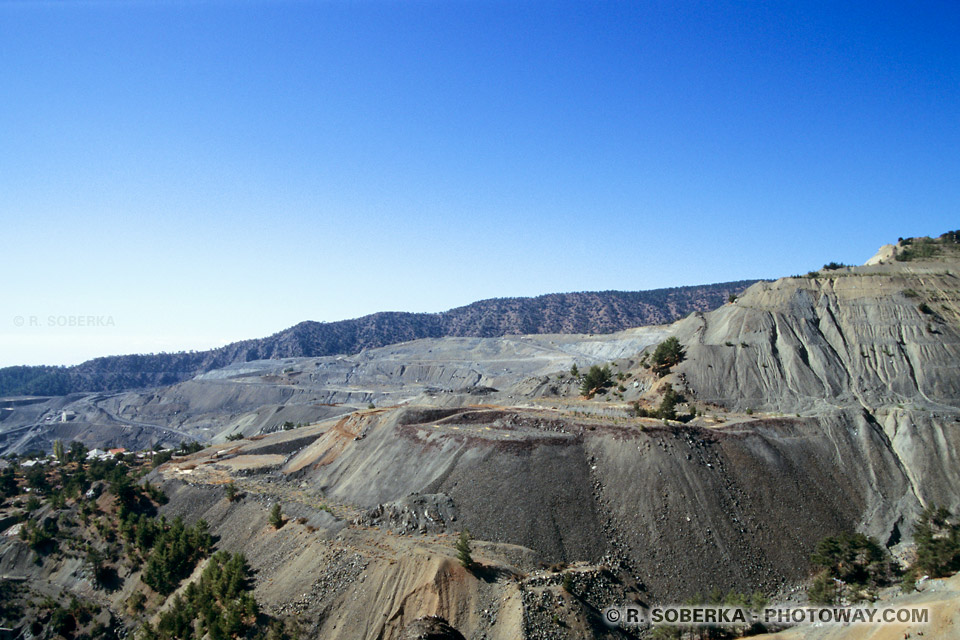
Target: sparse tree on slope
[(463, 550), (276, 516), (596, 379), (668, 353), (938, 543)]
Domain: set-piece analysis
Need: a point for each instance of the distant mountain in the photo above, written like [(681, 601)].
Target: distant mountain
[(586, 312)]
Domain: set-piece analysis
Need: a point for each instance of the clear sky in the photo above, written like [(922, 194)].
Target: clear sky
[(189, 173)]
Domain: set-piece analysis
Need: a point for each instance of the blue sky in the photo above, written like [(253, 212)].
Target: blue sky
[(193, 173)]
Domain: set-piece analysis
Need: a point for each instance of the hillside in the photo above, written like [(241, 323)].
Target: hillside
[(809, 408), (587, 312)]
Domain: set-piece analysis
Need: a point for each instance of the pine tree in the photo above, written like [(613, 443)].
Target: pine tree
[(938, 542), (596, 379), (276, 516), (463, 549), (667, 354), (667, 409)]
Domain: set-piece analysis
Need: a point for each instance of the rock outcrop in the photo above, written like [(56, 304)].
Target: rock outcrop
[(430, 628)]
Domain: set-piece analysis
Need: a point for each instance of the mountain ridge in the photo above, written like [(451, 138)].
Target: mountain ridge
[(576, 312)]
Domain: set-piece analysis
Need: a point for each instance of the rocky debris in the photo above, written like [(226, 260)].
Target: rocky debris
[(568, 603), (596, 585), (430, 628), (342, 572), (427, 513), (523, 421)]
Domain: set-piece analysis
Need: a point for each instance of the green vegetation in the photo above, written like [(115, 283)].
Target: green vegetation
[(10, 609), (40, 536), (59, 452), (597, 380), (64, 621), (925, 248), (833, 266), (36, 477), (186, 448), (77, 452), (950, 237), (667, 410), (937, 536), (175, 551), (917, 249), (103, 574), (463, 549), (35, 381), (8, 483), (217, 606), (136, 601), (851, 566), (232, 491), (233, 437), (276, 516), (160, 457), (574, 371), (100, 514), (667, 354)]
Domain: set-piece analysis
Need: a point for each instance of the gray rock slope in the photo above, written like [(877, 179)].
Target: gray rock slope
[(856, 338), (872, 354), (666, 504)]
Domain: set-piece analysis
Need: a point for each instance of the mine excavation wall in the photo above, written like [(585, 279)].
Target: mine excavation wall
[(203, 396), (745, 505), (806, 345)]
